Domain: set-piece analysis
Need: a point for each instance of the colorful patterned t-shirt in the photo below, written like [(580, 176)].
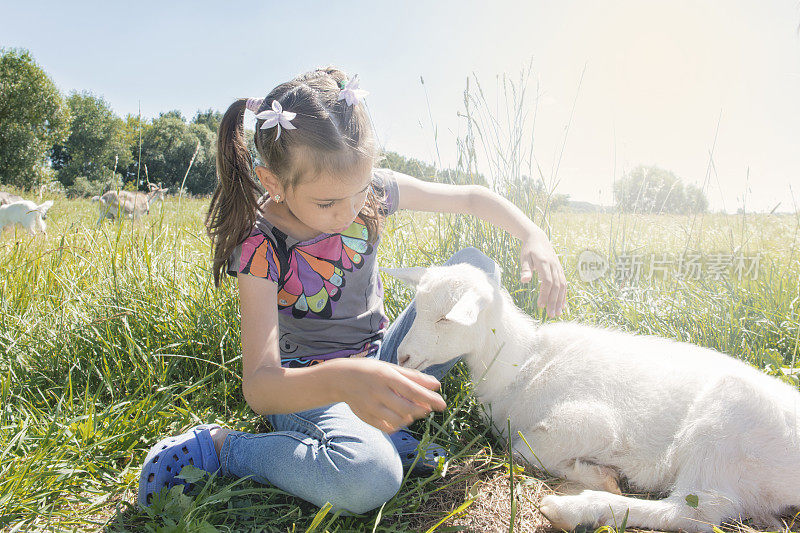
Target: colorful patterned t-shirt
[(330, 296)]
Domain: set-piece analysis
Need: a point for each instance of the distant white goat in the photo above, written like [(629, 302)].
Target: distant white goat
[(127, 203), (597, 404), (8, 198), (26, 214)]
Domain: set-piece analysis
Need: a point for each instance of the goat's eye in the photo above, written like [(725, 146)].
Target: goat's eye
[(443, 320)]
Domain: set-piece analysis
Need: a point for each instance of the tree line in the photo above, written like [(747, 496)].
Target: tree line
[(76, 143), (653, 190)]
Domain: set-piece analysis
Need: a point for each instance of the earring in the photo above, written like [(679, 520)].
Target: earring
[(278, 198)]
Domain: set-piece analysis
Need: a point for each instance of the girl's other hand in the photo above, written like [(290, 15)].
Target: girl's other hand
[(537, 253), (384, 395)]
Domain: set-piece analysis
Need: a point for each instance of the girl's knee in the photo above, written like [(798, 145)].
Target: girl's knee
[(464, 254), (368, 484), (474, 257)]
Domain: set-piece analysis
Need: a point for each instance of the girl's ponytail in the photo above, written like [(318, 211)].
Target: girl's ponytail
[(233, 207)]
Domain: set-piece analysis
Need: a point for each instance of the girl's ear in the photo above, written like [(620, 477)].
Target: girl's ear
[(268, 180), (466, 309), (409, 275)]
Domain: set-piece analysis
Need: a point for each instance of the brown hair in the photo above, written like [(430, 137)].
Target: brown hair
[(331, 137)]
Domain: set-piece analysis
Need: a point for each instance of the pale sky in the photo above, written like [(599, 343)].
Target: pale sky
[(658, 74)]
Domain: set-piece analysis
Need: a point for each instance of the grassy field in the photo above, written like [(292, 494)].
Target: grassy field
[(113, 338)]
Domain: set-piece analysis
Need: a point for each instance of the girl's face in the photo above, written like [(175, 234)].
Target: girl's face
[(328, 204)]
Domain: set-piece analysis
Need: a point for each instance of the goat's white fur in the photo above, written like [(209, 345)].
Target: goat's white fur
[(26, 214), (596, 403), (127, 203)]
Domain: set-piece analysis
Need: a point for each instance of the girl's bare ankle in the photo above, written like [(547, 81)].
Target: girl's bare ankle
[(218, 436)]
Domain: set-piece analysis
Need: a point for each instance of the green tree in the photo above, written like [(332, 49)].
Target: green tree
[(696, 201), (407, 165), (421, 170), (175, 113), (209, 118), (96, 144), (164, 144), (529, 191), (202, 178), (655, 190), (33, 117), (133, 128), (168, 144)]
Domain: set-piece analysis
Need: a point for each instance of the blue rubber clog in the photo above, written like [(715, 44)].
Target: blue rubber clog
[(166, 459), (407, 445)]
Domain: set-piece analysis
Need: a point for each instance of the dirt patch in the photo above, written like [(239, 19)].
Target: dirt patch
[(484, 480)]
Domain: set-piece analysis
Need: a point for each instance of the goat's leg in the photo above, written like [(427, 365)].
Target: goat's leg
[(594, 476), (596, 508), (105, 212)]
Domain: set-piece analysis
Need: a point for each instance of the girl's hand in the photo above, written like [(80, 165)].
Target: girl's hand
[(537, 253), (387, 396)]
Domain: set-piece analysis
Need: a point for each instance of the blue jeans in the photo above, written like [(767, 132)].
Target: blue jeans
[(328, 454)]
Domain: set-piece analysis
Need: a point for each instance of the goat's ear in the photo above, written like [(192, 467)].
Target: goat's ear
[(409, 275), (466, 309)]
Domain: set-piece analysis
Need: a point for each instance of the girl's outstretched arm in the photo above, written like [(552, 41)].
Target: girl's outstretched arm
[(536, 252)]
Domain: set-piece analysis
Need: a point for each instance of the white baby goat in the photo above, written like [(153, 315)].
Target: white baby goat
[(597, 404), (26, 214)]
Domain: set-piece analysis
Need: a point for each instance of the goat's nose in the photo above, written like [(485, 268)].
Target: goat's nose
[(404, 359)]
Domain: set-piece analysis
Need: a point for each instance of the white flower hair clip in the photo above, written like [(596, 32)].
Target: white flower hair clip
[(351, 93), (272, 117)]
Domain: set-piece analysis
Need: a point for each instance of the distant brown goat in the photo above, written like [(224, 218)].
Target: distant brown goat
[(130, 204)]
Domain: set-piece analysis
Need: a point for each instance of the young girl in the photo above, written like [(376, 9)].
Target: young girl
[(318, 358)]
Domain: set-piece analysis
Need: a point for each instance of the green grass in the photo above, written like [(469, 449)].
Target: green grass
[(113, 338)]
